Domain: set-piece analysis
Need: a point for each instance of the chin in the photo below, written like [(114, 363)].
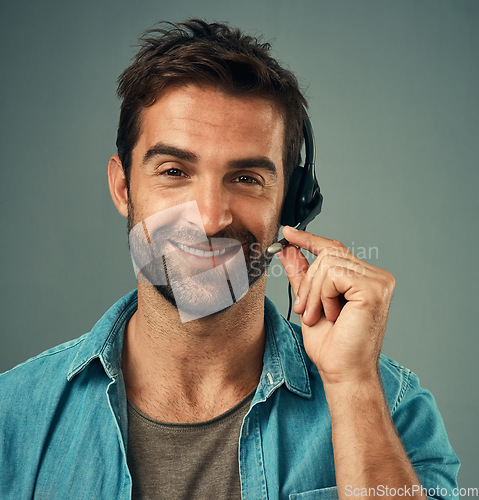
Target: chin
[(194, 302)]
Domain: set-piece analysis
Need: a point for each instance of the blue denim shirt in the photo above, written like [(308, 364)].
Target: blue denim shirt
[(64, 421)]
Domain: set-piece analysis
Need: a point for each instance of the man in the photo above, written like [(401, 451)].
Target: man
[(194, 386)]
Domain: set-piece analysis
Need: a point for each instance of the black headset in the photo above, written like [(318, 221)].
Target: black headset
[(303, 200)]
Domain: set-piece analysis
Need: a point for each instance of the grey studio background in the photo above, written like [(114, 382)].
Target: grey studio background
[(393, 92)]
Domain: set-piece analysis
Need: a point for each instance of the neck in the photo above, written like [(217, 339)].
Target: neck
[(194, 371)]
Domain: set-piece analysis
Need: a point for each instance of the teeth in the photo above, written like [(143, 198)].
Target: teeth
[(201, 253)]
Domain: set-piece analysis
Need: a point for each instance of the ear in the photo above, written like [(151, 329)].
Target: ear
[(117, 183)]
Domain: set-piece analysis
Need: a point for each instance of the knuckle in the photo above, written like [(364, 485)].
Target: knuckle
[(320, 263), (382, 291), (332, 251), (322, 253), (337, 252), (360, 270), (328, 258), (337, 244), (335, 270), (392, 280), (325, 265), (389, 282)]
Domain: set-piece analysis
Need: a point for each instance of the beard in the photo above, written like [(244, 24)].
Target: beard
[(195, 292)]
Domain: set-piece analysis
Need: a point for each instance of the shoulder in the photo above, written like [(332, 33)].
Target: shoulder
[(60, 363), (59, 353), (32, 394), (48, 368)]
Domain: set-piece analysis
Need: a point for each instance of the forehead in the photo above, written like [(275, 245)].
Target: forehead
[(202, 116)]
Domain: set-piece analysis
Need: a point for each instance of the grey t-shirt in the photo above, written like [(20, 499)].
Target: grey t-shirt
[(185, 461)]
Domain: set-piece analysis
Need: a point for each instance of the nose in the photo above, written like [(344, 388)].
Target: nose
[(214, 204)]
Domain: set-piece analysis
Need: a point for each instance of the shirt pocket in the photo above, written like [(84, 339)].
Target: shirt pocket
[(323, 494)]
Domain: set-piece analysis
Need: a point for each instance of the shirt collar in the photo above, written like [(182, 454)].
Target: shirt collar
[(284, 359), (105, 341)]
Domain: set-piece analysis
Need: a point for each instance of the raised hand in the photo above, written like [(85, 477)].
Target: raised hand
[(342, 303)]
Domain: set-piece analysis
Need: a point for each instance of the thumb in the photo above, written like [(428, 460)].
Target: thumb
[(295, 264)]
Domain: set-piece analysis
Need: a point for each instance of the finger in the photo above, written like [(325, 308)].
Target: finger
[(323, 295), (317, 244), (316, 291), (309, 241), (305, 287), (295, 265), (310, 303), (328, 257)]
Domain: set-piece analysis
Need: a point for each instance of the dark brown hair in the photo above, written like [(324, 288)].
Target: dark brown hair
[(206, 54)]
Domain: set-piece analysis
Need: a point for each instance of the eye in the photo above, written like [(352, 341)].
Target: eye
[(173, 172), (246, 179)]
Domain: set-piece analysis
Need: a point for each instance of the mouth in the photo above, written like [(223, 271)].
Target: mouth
[(206, 252)]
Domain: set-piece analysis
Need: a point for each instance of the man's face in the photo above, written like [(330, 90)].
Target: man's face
[(221, 155)]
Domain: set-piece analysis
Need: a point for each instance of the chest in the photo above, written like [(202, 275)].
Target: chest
[(185, 461)]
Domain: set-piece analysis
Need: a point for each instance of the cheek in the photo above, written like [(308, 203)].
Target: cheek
[(262, 222), (146, 201), (143, 195)]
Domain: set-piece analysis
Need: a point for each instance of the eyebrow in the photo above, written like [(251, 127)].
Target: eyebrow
[(261, 162), (161, 149)]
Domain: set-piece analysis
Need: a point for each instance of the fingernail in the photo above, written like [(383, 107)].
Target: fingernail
[(297, 301), (292, 228)]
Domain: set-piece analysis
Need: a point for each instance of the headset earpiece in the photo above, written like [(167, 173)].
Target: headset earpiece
[(288, 213), (303, 200)]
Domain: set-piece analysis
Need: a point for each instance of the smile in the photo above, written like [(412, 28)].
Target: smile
[(203, 253)]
